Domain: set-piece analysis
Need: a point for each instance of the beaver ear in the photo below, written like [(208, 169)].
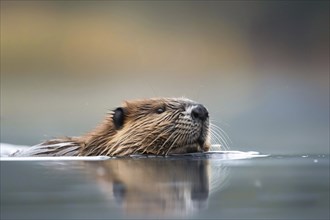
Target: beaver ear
[(118, 117)]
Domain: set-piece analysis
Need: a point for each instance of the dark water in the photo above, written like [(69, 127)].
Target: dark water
[(273, 187)]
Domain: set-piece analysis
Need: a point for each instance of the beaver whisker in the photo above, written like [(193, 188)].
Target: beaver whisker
[(175, 140), (218, 137), (223, 141), (215, 140), (214, 137), (162, 133), (165, 132), (168, 139), (221, 131), (161, 147)]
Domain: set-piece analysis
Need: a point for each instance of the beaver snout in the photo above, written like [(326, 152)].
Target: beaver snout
[(199, 112)]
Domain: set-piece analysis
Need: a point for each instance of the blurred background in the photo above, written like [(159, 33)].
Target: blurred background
[(260, 67)]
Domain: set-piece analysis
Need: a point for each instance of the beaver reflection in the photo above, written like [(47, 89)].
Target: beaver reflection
[(158, 186)]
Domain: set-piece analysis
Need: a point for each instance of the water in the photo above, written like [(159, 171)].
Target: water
[(216, 185)]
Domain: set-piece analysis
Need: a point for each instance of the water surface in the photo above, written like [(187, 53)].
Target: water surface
[(215, 185)]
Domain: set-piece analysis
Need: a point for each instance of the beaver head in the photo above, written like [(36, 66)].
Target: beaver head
[(159, 126)]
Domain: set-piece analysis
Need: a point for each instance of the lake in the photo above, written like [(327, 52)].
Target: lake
[(237, 185)]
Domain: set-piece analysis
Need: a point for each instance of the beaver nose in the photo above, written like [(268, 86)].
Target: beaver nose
[(199, 112)]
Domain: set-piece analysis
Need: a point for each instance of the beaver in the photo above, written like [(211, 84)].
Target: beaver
[(157, 126)]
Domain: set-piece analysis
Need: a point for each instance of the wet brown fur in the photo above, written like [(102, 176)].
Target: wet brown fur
[(144, 131)]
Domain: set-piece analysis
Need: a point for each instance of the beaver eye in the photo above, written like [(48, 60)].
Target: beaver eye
[(160, 110)]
